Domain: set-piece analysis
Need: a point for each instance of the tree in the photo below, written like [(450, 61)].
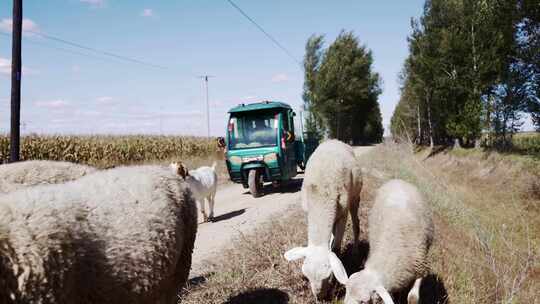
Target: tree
[(343, 90), (312, 61), (463, 75), (528, 34)]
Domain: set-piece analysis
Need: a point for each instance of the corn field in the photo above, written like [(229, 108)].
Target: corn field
[(527, 142), (108, 150)]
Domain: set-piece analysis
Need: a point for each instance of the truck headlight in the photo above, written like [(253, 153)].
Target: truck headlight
[(235, 160), (270, 157)]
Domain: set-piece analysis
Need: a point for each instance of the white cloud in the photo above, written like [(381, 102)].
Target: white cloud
[(5, 68), (147, 12), (105, 100), (94, 3), (282, 77), (28, 26), (52, 104)]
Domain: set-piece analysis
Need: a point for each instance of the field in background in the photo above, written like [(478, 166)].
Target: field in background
[(487, 246), (105, 151), (527, 143)]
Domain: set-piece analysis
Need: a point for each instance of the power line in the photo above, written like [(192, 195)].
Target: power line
[(61, 49), (106, 53), (279, 45)]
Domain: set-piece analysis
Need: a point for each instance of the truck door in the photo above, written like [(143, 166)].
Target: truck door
[(288, 138)]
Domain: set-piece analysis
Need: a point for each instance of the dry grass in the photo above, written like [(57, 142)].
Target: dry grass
[(253, 269), (486, 249)]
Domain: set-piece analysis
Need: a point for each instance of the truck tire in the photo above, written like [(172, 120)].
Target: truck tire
[(255, 183)]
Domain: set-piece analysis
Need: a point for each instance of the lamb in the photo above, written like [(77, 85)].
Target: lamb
[(400, 235), (123, 235), (203, 185), (331, 189), (19, 175)]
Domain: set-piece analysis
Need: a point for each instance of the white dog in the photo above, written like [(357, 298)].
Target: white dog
[(203, 185)]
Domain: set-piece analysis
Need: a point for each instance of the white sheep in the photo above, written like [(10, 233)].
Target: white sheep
[(331, 189), (123, 235), (203, 185), (400, 235), (23, 174)]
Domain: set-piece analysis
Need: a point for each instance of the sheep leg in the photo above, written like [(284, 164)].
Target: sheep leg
[(414, 294), (211, 206), (339, 230), (203, 210), (353, 210)]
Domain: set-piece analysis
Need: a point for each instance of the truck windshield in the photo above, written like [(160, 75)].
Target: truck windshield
[(253, 131)]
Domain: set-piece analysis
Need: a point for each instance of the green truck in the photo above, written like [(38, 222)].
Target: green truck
[(261, 145)]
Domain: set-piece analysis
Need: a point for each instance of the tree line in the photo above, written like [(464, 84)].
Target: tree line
[(472, 72), (341, 90)]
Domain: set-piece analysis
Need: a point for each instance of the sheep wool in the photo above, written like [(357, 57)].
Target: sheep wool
[(123, 235), (400, 235), (23, 174), (331, 191)]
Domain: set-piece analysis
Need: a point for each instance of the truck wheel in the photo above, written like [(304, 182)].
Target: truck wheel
[(255, 182)]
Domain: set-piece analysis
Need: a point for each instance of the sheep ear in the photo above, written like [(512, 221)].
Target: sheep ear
[(174, 167), (337, 267), (296, 253), (331, 243), (385, 296)]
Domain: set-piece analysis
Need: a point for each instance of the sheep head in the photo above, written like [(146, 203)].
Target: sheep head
[(363, 287), (316, 268), (180, 169)]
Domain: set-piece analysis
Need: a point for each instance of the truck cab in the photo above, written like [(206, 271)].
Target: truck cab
[(260, 145)]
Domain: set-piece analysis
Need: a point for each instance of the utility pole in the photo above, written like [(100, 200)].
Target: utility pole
[(205, 78), (16, 81)]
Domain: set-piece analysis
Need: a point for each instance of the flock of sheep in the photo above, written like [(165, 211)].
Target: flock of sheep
[(400, 230), (72, 234)]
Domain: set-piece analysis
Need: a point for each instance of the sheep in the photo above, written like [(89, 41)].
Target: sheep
[(123, 235), (203, 185), (400, 235), (19, 175), (331, 188)]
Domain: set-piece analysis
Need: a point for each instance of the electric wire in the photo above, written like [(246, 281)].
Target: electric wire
[(274, 40)]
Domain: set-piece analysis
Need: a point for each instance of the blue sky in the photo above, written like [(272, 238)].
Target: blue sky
[(69, 93)]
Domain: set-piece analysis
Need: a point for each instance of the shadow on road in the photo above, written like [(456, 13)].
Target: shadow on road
[(291, 186), (260, 296), (228, 215)]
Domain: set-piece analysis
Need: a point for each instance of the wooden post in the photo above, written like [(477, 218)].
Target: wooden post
[(16, 81)]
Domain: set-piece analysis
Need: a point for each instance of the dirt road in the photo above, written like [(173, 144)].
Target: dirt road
[(237, 211)]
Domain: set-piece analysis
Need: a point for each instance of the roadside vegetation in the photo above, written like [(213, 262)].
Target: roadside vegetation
[(341, 90), (472, 73), (106, 151), (109, 150), (487, 246)]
